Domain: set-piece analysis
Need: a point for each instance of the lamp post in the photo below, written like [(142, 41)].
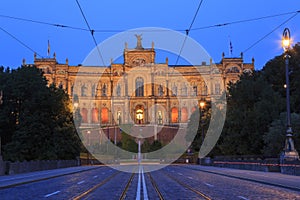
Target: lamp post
[(1, 101), (201, 104), (88, 153), (289, 152)]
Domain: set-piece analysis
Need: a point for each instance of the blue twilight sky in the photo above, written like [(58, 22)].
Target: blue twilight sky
[(123, 15)]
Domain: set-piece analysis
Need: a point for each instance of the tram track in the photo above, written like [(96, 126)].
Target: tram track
[(123, 195), (160, 196), (85, 193), (199, 193), (159, 186)]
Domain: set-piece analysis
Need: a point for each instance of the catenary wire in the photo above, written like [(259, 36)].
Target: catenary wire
[(191, 29), (255, 43), (92, 33), (152, 30), (246, 20), (187, 31), (43, 23), (22, 43)]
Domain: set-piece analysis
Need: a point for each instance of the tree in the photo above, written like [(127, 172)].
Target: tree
[(41, 118), (196, 121), (274, 139), (252, 106)]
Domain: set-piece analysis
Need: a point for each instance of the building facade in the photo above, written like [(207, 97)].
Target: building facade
[(139, 90)]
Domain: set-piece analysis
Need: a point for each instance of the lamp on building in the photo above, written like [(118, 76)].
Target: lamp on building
[(289, 152)]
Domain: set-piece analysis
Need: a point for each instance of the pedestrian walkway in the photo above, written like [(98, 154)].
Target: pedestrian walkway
[(17, 179), (271, 178)]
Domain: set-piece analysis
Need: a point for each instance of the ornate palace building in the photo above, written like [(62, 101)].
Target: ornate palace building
[(140, 91)]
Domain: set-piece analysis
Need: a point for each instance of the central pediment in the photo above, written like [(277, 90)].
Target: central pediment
[(139, 56)]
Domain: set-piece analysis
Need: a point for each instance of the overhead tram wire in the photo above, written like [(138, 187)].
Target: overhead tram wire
[(43, 23), (270, 32), (152, 30), (22, 43), (245, 20), (187, 31), (92, 33)]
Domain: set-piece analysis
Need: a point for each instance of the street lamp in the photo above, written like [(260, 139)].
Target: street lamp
[(289, 152), (1, 101), (202, 105), (88, 153)]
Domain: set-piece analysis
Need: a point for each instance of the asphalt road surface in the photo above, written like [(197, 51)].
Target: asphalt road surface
[(171, 182)]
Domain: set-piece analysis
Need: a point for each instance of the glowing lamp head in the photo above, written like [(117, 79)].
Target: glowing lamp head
[(76, 105), (202, 104), (286, 39)]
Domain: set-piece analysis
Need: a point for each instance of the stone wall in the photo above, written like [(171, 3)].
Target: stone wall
[(2, 166), (258, 164), (30, 166), (290, 167)]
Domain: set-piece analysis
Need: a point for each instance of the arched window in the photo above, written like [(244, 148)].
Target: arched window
[(119, 117), (160, 90), (184, 114), (104, 90), (193, 109), (195, 90), (184, 90), (217, 88), (84, 113), (94, 90), (118, 90), (174, 90), (104, 115), (60, 86), (72, 89), (83, 90), (203, 89), (95, 115), (160, 117), (174, 115), (139, 87)]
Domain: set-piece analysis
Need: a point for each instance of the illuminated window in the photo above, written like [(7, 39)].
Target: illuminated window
[(95, 115), (160, 118), (84, 113), (104, 115), (119, 117), (184, 114), (174, 115), (139, 116)]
